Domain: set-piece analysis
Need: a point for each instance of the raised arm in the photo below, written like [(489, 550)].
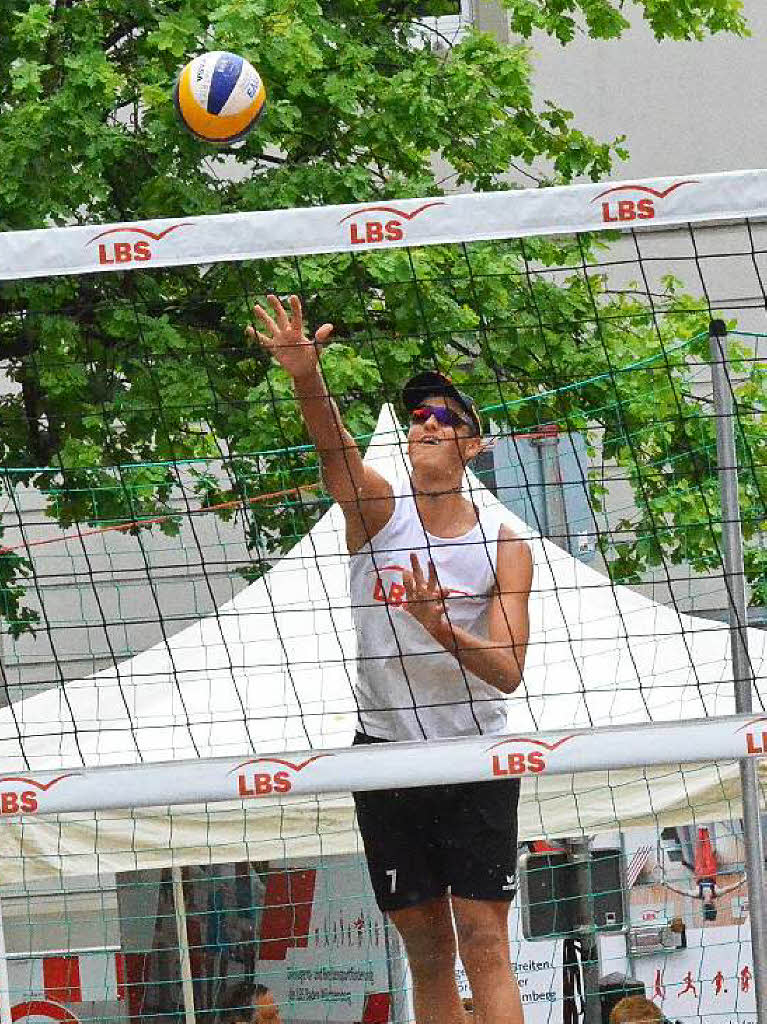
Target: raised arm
[(365, 497)]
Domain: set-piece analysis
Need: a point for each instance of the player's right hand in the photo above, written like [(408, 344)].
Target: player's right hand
[(286, 341)]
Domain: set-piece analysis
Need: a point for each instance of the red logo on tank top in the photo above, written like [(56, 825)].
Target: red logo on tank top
[(393, 592)]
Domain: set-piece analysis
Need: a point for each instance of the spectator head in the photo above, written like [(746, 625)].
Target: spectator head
[(249, 1005), (266, 1009), (635, 1010)]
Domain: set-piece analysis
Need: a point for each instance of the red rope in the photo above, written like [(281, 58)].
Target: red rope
[(119, 527)]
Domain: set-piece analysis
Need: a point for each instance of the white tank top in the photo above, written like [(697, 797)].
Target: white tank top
[(408, 686)]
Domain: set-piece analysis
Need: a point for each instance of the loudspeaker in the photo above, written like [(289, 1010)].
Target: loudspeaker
[(547, 890), (551, 896), (608, 884)]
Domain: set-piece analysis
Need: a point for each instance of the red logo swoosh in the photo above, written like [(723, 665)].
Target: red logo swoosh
[(390, 209), (139, 231), (42, 786), (278, 760), (748, 725), (528, 739), (659, 194)]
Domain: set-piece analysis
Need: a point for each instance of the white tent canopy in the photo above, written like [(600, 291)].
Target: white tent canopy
[(274, 668)]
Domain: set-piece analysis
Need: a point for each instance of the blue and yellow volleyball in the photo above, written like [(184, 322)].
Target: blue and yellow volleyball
[(219, 97)]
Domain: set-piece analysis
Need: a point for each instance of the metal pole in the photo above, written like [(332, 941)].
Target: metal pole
[(735, 583), (179, 906), (554, 511), (5, 984), (580, 856)]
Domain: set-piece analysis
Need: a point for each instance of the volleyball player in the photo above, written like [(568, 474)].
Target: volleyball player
[(439, 594)]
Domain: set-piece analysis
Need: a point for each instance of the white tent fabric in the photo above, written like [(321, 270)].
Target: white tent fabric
[(273, 670)]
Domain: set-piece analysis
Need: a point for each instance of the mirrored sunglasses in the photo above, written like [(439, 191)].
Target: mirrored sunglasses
[(445, 417)]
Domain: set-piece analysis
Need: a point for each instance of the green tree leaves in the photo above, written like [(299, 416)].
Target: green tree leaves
[(144, 370), (604, 19)]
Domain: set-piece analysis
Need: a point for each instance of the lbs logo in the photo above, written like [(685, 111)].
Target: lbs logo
[(756, 744), (518, 764), (18, 800), (254, 782), (393, 592), (126, 248), (637, 202), (515, 762), (756, 740), (373, 224), (14, 802)]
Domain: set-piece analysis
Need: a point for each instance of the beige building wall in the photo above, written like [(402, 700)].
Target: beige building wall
[(685, 107)]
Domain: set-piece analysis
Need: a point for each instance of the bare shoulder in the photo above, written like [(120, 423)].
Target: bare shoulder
[(515, 561), (370, 511)]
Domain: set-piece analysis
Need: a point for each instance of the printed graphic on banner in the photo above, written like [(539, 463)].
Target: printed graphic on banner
[(690, 926), (376, 224), (507, 759), (322, 945), (265, 776), (627, 202), (756, 736), (42, 1011), (710, 982), (516, 213), (130, 243), (53, 986), (21, 794)]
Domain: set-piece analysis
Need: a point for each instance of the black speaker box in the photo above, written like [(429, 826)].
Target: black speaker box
[(608, 885), (547, 892)]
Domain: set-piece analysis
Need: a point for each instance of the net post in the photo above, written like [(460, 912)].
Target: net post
[(734, 580), (554, 509), (179, 907), (5, 984), (580, 852)]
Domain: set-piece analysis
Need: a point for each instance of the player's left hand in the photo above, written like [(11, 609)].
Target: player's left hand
[(425, 598)]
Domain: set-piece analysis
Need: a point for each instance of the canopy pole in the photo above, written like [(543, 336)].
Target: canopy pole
[(179, 907), (743, 673), (5, 984)]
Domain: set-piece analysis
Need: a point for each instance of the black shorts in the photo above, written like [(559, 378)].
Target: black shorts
[(422, 842)]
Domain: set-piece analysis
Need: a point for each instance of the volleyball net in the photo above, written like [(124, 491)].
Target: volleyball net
[(178, 645)]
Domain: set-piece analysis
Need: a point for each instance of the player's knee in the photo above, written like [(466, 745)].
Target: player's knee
[(483, 947), (434, 963), (431, 954)]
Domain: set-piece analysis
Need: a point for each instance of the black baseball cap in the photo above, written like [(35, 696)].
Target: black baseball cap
[(432, 382)]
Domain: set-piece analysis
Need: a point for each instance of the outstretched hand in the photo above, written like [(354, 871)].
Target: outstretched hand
[(286, 341), (425, 597)]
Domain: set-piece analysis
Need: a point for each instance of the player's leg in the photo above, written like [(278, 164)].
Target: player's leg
[(479, 853), (429, 938), (406, 873), (483, 942)]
